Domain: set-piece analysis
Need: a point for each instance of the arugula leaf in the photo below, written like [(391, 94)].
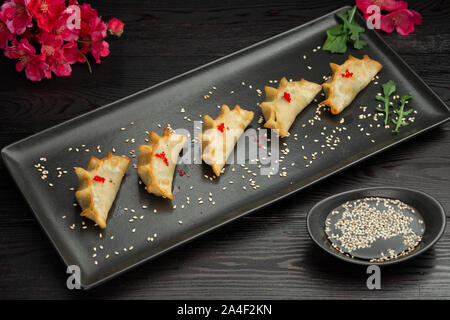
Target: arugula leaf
[(334, 36), (359, 44), (388, 90), (336, 44), (401, 113), (347, 32), (336, 30), (354, 28)]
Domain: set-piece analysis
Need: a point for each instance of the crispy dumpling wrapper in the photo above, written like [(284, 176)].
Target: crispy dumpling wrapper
[(98, 186), (282, 105), (348, 80), (220, 135), (157, 161)]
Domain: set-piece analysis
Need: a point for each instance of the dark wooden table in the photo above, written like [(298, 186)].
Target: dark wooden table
[(269, 253)]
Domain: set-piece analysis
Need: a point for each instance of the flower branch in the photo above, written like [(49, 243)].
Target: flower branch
[(46, 37)]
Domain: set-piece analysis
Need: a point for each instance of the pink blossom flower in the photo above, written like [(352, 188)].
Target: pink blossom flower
[(59, 65), (71, 53), (97, 29), (60, 27), (35, 68), (402, 20), (5, 35), (89, 20), (389, 5), (46, 11), (59, 57), (115, 27), (50, 43), (100, 49), (49, 27), (15, 14), (93, 31), (62, 59)]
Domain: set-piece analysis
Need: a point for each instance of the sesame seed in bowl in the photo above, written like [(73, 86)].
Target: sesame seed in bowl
[(381, 226)]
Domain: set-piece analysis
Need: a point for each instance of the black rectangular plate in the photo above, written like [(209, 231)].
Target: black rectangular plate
[(274, 58)]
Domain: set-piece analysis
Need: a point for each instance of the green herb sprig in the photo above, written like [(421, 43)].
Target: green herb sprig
[(347, 32), (388, 90), (401, 113)]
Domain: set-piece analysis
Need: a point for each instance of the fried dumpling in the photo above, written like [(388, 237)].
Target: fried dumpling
[(219, 136), (157, 161), (282, 105), (98, 186), (348, 80)]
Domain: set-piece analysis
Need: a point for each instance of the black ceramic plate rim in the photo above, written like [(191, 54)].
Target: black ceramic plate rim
[(7, 158), (411, 255)]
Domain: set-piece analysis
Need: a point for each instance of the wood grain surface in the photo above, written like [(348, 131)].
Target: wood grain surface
[(269, 253)]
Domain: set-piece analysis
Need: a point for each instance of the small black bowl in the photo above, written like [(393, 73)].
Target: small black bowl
[(429, 208)]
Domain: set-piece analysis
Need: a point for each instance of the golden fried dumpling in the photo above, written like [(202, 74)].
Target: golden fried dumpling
[(98, 186), (282, 105), (219, 136), (348, 80), (157, 161)]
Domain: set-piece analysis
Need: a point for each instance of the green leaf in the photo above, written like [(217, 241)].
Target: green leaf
[(340, 46), (401, 113), (405, 98), (351, 13), (335, 44), (388, 88), (349, 31), (348, 16), (336, 30), (355, 31), (359, 44), (350, 25), (334, 37), (343, 17), (407, 113)]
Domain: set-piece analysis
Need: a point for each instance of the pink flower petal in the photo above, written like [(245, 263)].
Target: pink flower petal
[(5, 35), (387, 23), (100, 49), (16, 16), (71, 53), (19, 66), (416, 18), (363, 5), (391, 5), (115, 26), (62, 69), (405, 28), (35, 68), (402, 20)]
